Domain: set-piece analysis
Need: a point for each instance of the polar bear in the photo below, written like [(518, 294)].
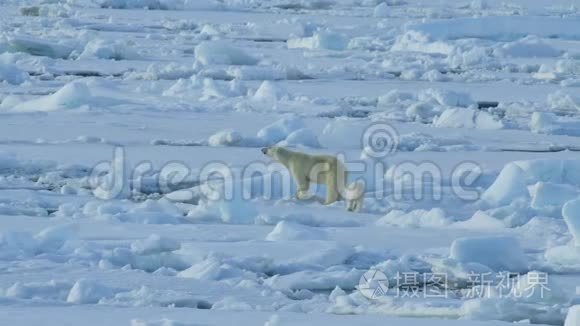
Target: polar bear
[(319, 169)]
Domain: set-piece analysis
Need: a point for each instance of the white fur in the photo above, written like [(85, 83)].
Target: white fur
[(319, 169)]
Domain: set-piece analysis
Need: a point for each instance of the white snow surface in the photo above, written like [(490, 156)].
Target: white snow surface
[(134, 189)]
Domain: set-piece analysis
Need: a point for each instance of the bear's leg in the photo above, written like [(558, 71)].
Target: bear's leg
[(302, 194), (356, 204), (303, 186), (332, 193), (331, 197), (350, 205)]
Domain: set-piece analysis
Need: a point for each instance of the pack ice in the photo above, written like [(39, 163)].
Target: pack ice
[(134, 189)]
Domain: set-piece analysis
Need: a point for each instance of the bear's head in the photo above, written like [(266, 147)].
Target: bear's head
[(269, 151), (272, 151)]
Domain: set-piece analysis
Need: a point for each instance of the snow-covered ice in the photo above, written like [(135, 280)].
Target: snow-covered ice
[(134, 189), (500, 253), (573, 316)]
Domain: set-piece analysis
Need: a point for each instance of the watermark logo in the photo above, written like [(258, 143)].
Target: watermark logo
[(379, 140), (267, 179), (373, 284)]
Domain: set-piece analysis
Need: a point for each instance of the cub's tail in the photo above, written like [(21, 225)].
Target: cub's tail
[(355, 196)]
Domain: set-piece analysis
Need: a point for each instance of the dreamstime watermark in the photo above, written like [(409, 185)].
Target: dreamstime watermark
[(374, 284), (380, 140), (380, 176)]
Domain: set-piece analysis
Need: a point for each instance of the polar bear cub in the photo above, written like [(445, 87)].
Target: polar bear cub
[(319, 169)]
